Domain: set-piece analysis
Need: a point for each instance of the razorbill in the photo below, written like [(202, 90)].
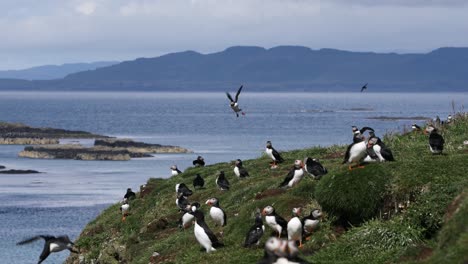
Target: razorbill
[(294, 176), (52, 244), (275, 221), (255, 232), (234, 105), (203, 233), (222, 182), (314, 168), (295, 226), (273, 154), (217, 213), (239, 170), (436, 141), (198, 182)]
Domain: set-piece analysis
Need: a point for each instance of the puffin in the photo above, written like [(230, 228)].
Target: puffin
[(129, 195), (295, 226), (182, 189), (199, 162), (198, 182), (377, 151), (275, 221), (234, 105), (222, 182), (255, 232), (436, 141), (52, 244), (415, 127), (175, 171), (279, 251), (182, 201), (203, 233), (355, 153), (314, 168), (187, 218), (364, 87), (358, 134), (217, 214), (273, 154), (124, 208), (294, 176), (239, 170), (311, 222)]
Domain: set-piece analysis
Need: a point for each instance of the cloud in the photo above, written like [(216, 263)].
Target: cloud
[(86, 8)]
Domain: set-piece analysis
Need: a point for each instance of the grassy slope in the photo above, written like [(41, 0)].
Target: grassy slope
[(425, 186)]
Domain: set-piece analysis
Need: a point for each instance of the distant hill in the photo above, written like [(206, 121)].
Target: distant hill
[(286, 68), (50, 72)]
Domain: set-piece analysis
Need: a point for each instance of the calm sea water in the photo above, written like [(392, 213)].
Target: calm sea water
[(71, 193)]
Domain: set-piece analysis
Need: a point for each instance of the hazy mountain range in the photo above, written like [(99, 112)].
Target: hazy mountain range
[(283, 68), (49, 72)]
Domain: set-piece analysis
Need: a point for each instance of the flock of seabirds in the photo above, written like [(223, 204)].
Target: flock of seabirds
[(364, 149)]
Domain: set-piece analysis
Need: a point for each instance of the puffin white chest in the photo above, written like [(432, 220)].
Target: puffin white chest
[(203, 238), (217, 215), (174, 173), (236, 171), (55, 247), (235, 107), (269, 152), (187, 220), (294, 229), (357, 152), (298, 174), (271, 221), (310, 225), (125, 208)]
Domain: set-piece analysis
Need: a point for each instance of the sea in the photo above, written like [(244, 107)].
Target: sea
[(67, 194)]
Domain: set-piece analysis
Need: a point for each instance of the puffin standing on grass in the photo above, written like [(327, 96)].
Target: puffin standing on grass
[(52, 244), (187, 218), (294, 176), (436, 141), (175, 171), (276, 222), (273, 154), (234, 105), (355, 153), (222, 182), (203, 233), (198, 182), (295, 227), (217, 214), (311, 222), (239, 170), (255, 232), (182, 189), (314, 168), (124, 208), (377, 151), (199, 162)]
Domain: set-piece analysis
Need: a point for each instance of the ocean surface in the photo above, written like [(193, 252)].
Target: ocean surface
[(69, 193)]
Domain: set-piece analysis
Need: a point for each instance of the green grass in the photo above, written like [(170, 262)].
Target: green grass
[(392, 212)]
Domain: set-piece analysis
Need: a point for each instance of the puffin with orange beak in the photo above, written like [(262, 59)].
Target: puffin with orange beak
[(217, 214), (275, 221), (295, 227), (294, 176)]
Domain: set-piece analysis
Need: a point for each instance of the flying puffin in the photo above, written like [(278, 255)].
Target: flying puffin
[(187, 218), (378, 152), (124, 208), (294, 175), (198, 182), (364, 87), (199, 162), (52, 244), (175, 171), (314, 168), (295, 226), (234, 105), (203, 233), (255, 232), (182, 189), (355, 153), (436, 141), (222, 182), (273, 154), (217, 214), (239, 170), (276, 222), (311, 222)]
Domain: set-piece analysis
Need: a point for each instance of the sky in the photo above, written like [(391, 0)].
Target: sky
[(40, 32)]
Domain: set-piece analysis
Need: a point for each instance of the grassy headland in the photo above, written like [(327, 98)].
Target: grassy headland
[(413, 210)]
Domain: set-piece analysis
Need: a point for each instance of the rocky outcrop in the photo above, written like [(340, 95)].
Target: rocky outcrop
[(20, 134), (78, 152), (18, 171), (138, 147)]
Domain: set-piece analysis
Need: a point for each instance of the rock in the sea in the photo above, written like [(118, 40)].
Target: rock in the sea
[(77, 152), (138, 147), (18, 171), (2, 167)]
